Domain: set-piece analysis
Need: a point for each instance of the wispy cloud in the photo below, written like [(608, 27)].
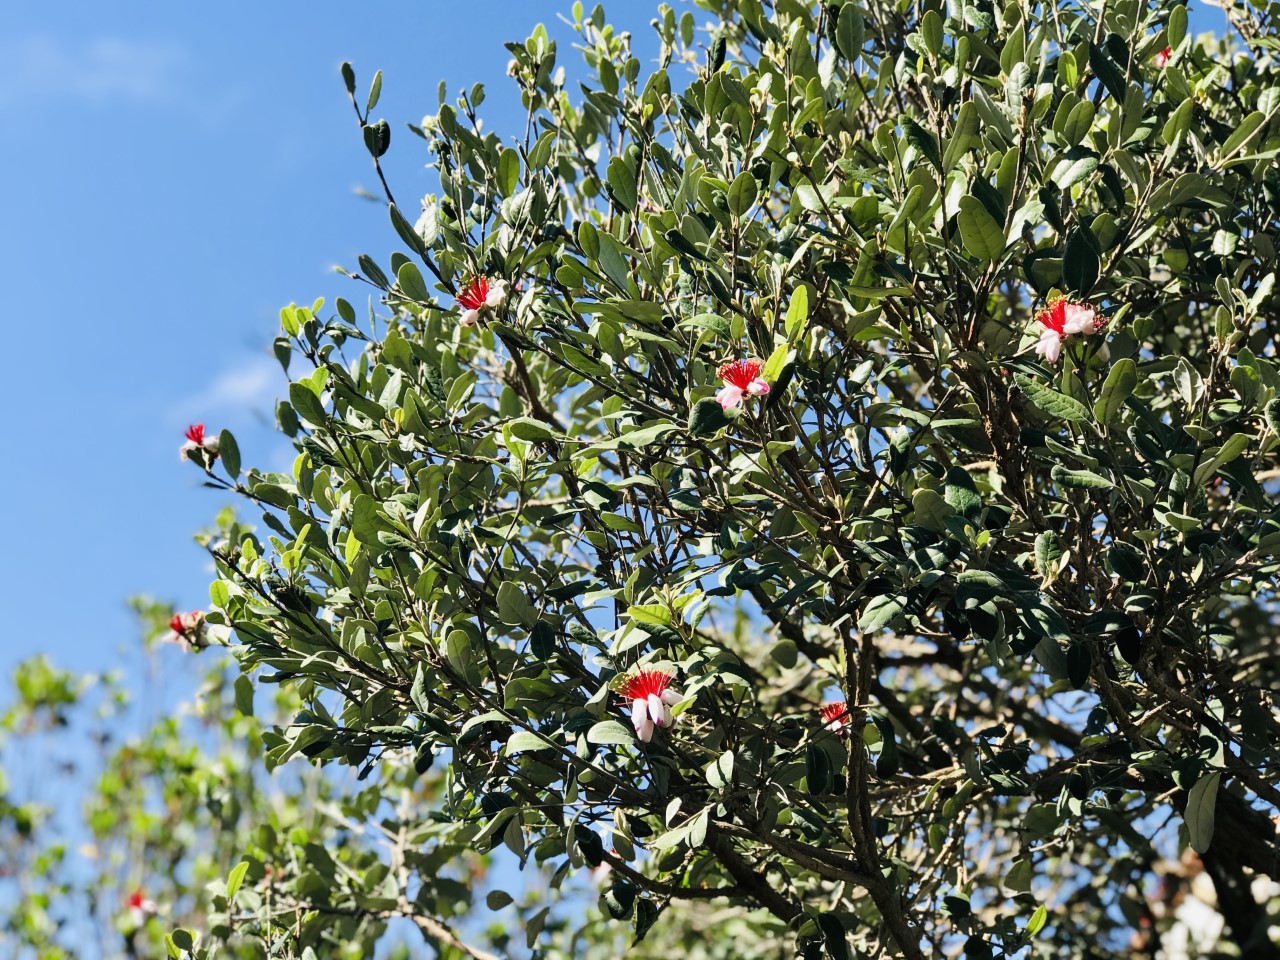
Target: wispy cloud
[(98, 71), (251, 385)]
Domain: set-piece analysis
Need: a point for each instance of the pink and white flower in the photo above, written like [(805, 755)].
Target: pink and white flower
[(197, 440), (651, 699), (741, 378), (1063, 318), (835, 716), (189, 630), (478, 295), (141, 908), (1162, 58)]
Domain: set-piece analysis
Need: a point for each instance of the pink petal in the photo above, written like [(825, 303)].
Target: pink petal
[(672, 696), (729, 396), (758, 387)]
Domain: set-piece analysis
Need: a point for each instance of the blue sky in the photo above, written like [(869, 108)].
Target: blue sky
[(174, 174)]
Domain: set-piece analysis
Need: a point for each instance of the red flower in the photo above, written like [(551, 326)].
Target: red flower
[(651, 700), (474, 294), (835, 716), (1063, 318), (196, 440), (741, 378), (1162, 58), (184, 623), (140, 908)]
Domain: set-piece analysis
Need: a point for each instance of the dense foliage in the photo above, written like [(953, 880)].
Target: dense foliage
[(1038, 567)]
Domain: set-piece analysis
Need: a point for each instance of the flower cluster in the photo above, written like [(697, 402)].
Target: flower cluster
[(1062, 318), (741, 378), (199, 447), (1161, 59), (478, 295), (651, 700)]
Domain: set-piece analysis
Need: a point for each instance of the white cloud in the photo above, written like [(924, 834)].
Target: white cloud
[(97, 71), (250, 385)]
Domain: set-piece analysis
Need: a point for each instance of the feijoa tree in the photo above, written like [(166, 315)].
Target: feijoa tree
[(819, 485)]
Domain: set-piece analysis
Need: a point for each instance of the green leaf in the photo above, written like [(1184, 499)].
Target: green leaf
[(797, 313), (1048, 552), (1037, 921), (244, 695), (1177, 28), (1202, 799), (742, 194), (229, 450), (707, 418), (881, 612), (610, 732), (409, 279), (527, 428), (304, 400), (637, 439), (961, 494), (924, 143), (1085, 479), (375, 91), (1235, 445), (366, 520), (622, 182), (236, 877), (1243, 132), (349, 78), (1105, 69), (1051, 401), (377, 138), (1121, 380), (497, 899), (508, 172), (983, 238), (1080, 261), (526, 741), (850, 31), (514, 607), (720, 771)]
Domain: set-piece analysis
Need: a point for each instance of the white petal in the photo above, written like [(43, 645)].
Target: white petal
[(496, 295), (469, 318), (667, 718), (1078, 319), (672, 696), (639, 714), (656, 708), (1049, 345), (645, 730), (729, 396)]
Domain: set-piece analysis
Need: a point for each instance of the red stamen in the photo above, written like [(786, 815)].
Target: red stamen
[(645, 684), (835, 712), (740, 373), (474, 294), (1054, 315), (195, 433)]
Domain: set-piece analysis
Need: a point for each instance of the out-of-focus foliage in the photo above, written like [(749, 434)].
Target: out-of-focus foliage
[(1046, 590)]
